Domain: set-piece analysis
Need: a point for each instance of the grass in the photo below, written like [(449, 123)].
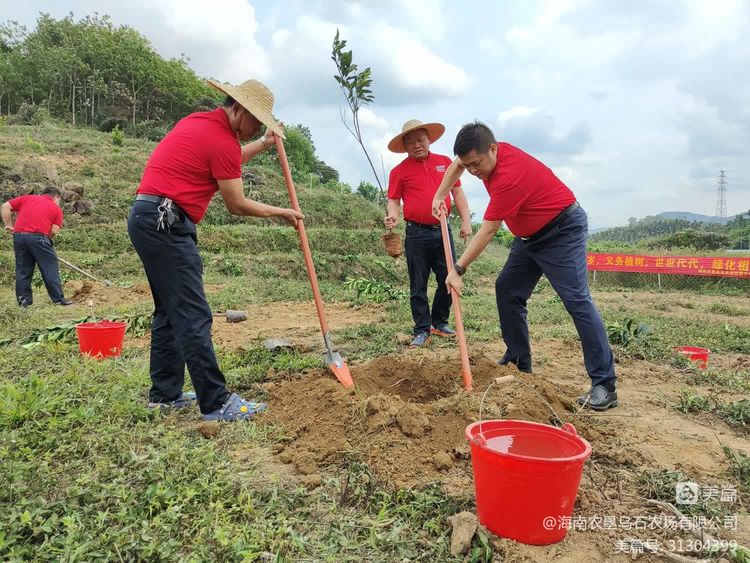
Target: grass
[(89, 473), (736, 413)]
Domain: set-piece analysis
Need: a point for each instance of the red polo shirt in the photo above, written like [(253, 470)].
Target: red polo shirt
[(187, 162), (524, 192), (36, 214), (416, 182)]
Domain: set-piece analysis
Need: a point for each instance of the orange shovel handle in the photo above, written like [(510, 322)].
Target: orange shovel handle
[(465, 366), (304, 244)]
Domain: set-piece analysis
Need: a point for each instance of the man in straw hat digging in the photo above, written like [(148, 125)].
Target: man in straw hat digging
[(551, 230), (200, 156), (415, 181)]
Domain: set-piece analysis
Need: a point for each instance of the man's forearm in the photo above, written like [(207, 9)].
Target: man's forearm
[(6, 214), (394, 207), (251, 149), (252, 208), (480, 241), (451, 176)]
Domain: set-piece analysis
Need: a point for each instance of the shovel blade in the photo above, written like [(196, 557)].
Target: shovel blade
[(339, 368)]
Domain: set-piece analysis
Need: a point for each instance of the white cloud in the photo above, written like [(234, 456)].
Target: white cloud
[(368, 118), (222, 34), (416, 68), (516, 112)]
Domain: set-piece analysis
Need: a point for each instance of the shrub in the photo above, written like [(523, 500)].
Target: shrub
[(150, 130), (109, 123), (30, 114), (118, 137)]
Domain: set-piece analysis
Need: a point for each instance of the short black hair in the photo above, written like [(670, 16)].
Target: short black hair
[(53, 191), (473, 137), (229, 102)]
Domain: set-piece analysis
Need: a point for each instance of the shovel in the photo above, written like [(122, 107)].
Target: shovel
[(465, 367), (106, 283), (333, 359)]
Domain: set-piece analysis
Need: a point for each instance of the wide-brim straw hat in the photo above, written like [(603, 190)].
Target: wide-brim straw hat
[(256, 98), (434, 132)]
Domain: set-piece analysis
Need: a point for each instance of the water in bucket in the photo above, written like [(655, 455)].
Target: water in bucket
[(526, 477)]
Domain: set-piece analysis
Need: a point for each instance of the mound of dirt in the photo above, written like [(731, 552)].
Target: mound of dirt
[(406, 416), (82, 291)]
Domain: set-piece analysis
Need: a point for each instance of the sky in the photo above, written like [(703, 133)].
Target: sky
[(635, 104)]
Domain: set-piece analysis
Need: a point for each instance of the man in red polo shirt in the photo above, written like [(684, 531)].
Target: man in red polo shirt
[(202, 155), (39, 220), (415, 181), (551, 230)]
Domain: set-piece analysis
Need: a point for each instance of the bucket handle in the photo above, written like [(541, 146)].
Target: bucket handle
[(480, 439)]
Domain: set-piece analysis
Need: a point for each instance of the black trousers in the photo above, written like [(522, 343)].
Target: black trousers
[(561, 256), (181, 329), (425, 254), (36, 250)]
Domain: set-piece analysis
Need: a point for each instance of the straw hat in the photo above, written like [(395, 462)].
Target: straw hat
[(256, 98), (434, 132)]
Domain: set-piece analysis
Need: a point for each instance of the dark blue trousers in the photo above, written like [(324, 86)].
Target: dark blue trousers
[(181, 328), (36, 250), (425, 255), (561, 256)]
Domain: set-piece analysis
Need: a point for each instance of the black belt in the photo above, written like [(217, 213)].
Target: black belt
[(423, 226), (158, 200), (552, 224)]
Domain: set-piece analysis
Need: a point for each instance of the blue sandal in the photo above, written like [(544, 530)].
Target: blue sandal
[(236, 408), (187, 399)]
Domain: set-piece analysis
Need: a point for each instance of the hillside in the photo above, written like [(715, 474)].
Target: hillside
[(344, 228)]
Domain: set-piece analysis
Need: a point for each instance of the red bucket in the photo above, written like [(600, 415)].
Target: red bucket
[(526, 478), (101, 340), (695, 354)]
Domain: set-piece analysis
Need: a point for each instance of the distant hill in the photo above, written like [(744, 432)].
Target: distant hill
[(693, 217)]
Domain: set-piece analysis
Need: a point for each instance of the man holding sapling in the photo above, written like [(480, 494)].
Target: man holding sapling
[(415, 181), (551, 230)]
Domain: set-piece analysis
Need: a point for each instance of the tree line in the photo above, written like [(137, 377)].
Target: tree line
[(655, 233), (90, 72)]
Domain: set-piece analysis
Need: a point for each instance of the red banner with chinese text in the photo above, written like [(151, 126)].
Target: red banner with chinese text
[(720, 266)]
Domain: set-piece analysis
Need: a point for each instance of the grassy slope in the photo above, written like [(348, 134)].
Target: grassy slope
[(87, 473)]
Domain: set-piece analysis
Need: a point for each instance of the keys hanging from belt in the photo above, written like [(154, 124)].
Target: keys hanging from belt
[(166, 217)]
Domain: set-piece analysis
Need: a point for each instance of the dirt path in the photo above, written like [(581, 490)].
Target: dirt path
[(297, 322)]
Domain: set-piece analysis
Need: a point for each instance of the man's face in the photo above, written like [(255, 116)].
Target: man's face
[(57, 200), (480, 164), (417, 144), (246, 125)]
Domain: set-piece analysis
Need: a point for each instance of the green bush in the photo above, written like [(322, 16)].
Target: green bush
[(150, 130), (109, 123), (118, 137), (30, 114)]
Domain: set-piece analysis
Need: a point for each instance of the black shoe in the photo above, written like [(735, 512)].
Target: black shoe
[(599, 398), (524, 367), (63, 302), (23, 302)]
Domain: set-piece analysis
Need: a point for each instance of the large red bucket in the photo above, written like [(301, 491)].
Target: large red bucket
[(695, 354), (101, 340), (526, 478)]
